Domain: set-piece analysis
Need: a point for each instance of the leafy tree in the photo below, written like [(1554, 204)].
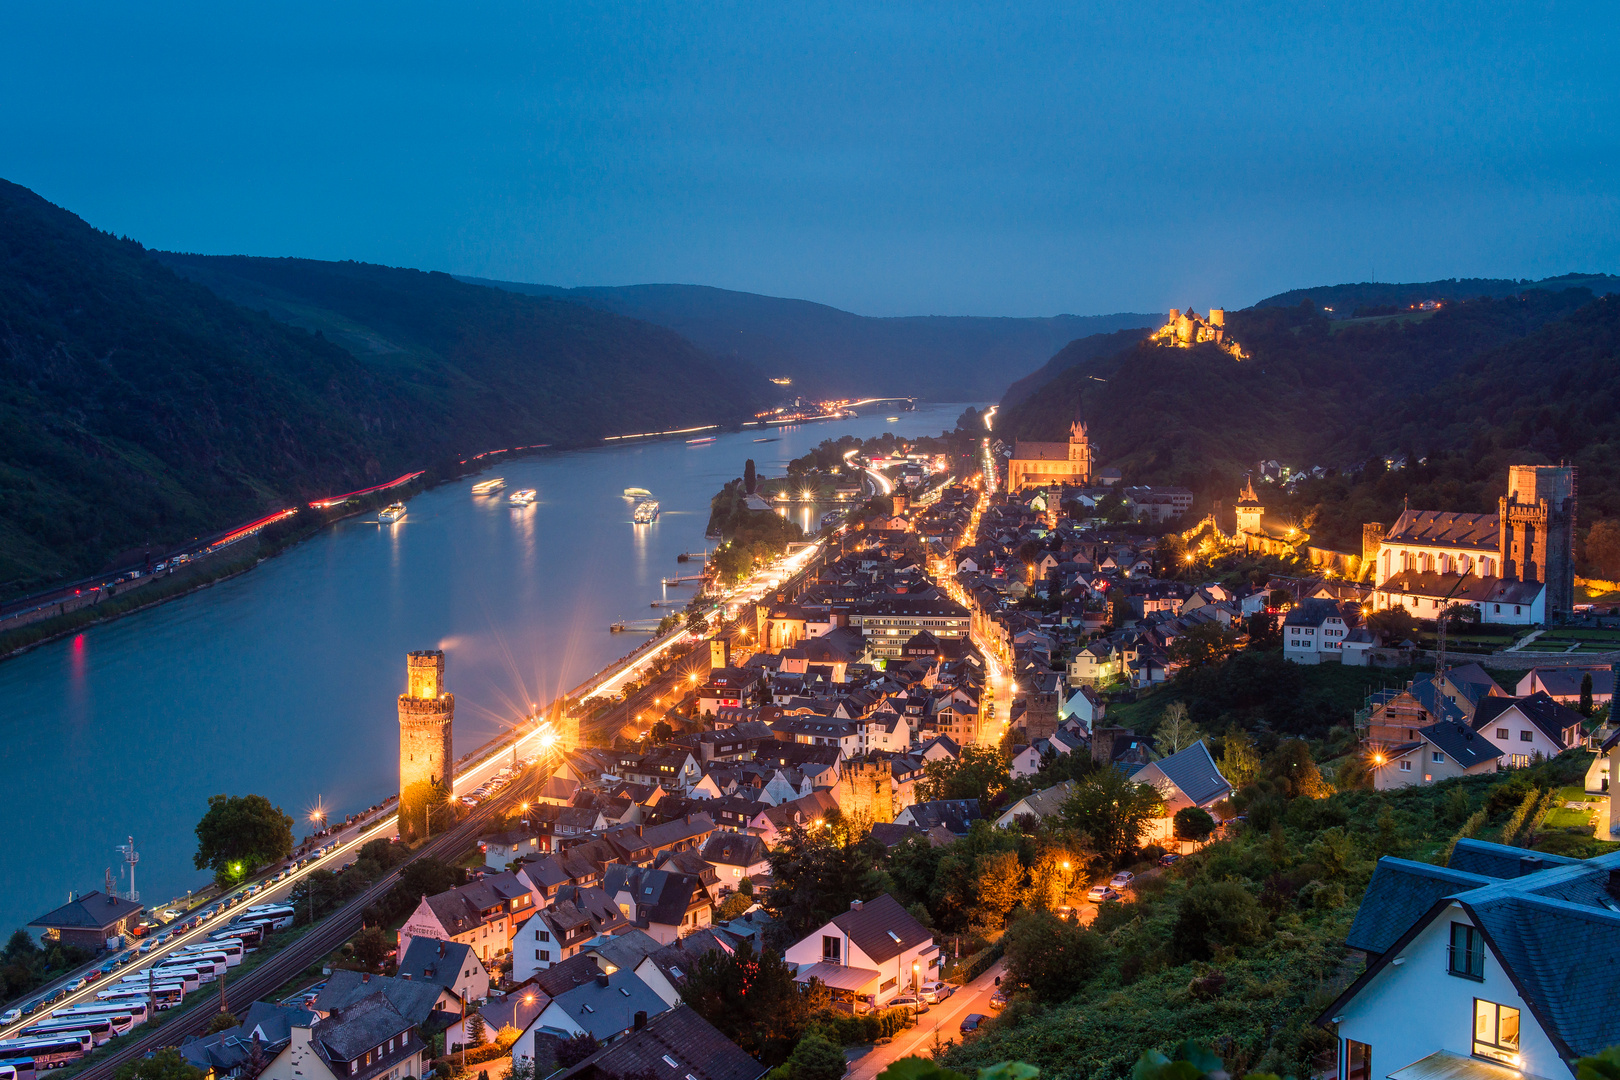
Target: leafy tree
[(522, 1069), (165, 1064), (1603, 548), (1051, 876), (816, 1058), (1110, 810), (817, 870), (1000, 886), (572, 1051), (750, 477), (1202, 645), (1049, 957), (239, 834), (1263, 631), (1193, 823), (980, 772), (1240, 762), (1212, 915), (1394, 624), (371, 946), (1292, 766), (733, 906), (752, 999), (1586, 694), (221, 1022), (1176, 730)]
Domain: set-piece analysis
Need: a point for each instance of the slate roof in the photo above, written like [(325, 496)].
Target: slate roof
[(433, 960), (1460, 743), (92, 911), (1473, 589), (364, 1025), (1566, 682), (1194, 771), (607, 1005), (515, 1010), (1431, 528), (564, 975), (660, 896), (1498, 860), (1313, 612), (698, 1050), (955, 815), (411, 999), (1546, 714), (625, 949), (228, 1050), (889, 833), (1400, 892), (461, 909), (734, 849), (875, 925)]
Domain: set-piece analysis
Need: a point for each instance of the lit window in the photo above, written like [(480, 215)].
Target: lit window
[(1496, 1031)]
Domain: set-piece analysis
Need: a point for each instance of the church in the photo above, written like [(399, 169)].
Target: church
[(1514, 566), (1043, 464)]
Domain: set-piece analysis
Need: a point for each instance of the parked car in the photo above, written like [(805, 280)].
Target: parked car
[(1169, 859), (1122, 880), (970, 1023), (1101, 893), (998, 1000), (10, 1016), (908, 1002), (936, 992)]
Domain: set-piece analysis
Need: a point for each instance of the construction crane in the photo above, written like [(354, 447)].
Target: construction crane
[(1445, 618)]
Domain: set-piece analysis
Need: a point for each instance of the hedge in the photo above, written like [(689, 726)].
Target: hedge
[(968, 968)]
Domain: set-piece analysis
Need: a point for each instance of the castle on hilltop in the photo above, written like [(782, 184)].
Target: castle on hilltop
[(1185, 329)]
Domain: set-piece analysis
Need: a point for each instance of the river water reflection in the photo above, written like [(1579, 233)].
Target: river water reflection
[(282, 681)]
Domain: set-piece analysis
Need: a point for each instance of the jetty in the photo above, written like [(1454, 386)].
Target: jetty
[(635, 626), (682, 580)]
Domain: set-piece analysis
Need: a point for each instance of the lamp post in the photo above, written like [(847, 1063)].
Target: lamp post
[(916, 991)]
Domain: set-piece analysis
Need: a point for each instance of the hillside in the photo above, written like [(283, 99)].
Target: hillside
[(829, 351), (137, 407), (1346, 299), (1529, 378), (1071, 355)]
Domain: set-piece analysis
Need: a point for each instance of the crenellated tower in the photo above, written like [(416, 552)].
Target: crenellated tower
[(426, 715)]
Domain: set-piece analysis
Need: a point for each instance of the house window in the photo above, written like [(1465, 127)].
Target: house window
[(1525, 736), (1406, 766), (542, 935), (832, 949), (542, 954), (1438, 757), (1357, 1060), (1503, 733), (1467, 952), (1496, 1031)]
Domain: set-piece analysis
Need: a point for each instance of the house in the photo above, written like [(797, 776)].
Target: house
[(606, 1008), (423, 1004), (1037, 805), (1186, 778), (1563, 684), (1527, 726), (735, 856), (1025, 761), (367, 1040), (481, 914), (1498, 966), (674, 1045), (633, 950), (449, 964), (1442, 750), (515, 1010), (504, 848), (1315, 631), (870, 952), (265, 1030), (89, 920), (666, 905), (956, 816), (558, 931)]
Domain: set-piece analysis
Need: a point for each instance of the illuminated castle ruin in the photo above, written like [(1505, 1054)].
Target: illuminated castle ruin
[(1185, 329), (426, 714)]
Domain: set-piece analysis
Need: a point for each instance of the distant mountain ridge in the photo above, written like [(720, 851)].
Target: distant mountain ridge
[(826, 350), (1344, 299)]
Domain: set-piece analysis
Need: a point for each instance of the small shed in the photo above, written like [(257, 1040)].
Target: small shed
[(89, 920)]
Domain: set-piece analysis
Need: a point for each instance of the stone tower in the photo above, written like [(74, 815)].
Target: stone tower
[(426, 714), (1537, 520), (1079, 450), (1248, 508)]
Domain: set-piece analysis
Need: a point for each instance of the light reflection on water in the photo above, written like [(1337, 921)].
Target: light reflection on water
[(282, 681)]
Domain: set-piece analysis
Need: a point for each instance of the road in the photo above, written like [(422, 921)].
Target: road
[(327, 935), (944, 1019)]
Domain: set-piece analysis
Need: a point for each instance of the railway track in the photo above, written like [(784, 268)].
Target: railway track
[(325, 936)]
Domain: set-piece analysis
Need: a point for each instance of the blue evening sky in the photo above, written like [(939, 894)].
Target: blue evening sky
[(888, 158)]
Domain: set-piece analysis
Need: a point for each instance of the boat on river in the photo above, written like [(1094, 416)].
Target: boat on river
[(646, 512), (391, 513), (489, 487), (700, 442), (636, 493), (523, 498), (767, 440)]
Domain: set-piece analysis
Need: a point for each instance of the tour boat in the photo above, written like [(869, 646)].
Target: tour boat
[(391, 513), (486, 487), (891, 419), (636, 493), (646, 512), (523, 498), (700, 442)]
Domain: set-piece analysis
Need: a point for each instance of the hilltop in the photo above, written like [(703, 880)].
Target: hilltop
[(826, 351), (138, 407)]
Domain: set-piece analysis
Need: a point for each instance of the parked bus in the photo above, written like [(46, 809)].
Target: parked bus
[(232, 950), (135, 1009), (186, 977), (164, 995), (50, 1053), (213, 960), (18, 1068), (101, 1028), (203, 970), (249, 936)]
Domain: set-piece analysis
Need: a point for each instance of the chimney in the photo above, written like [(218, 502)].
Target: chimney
[(855, 905), (405, 975), (602, 980), (365, 976), (1613, 887), (641, 1019), (1529, 864), (441, 948)]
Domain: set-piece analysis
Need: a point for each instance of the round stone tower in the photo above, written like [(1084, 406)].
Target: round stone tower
[(426, 714)]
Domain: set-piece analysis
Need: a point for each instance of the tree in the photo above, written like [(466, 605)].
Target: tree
[(1176, 730), (1394, 624), (1586, 693), (1193, 823), (1603, 548), (750, 477), (1049, 957), (1051, 876), (222, 1022), (1213, 915), (1110, 810), (817, 870), (1240, 762), (477, 1030), (1292, 766), (572, 1051), (1204, 644), (1000, 885), (751, 998), (371, 946), (980, 772), (816, 1058), (239, 834), (733, 906), (1263, 632), (165, 1064)]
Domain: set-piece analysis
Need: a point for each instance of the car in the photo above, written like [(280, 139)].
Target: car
[(1101, 893), (1122, 880), (998, 1000), (171, 914), (1169, 859), (10, 1016), (145, 947), (936, 992), (906, 1001), (971, 1022)]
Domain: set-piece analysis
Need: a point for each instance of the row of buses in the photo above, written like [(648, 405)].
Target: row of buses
[(73, 1031)]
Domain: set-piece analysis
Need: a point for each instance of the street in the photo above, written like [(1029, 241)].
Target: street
[(944, 1019)]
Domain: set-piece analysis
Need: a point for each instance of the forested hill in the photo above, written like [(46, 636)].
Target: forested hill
[(828, 351), (137, 407), (1530, 378), (1383, 297), (1071, 355)]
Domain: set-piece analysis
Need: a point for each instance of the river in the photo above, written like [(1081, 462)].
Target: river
[(282, 681)]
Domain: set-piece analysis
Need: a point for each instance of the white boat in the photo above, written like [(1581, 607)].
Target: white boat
[(523, 498), (487, 487), (391, 513), (891, 419), (646, 512), (636, 493)]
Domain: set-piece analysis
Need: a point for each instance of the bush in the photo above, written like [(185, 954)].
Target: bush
[(1215, 915), (1049, 957), (815, 1058), (1193, 823)]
